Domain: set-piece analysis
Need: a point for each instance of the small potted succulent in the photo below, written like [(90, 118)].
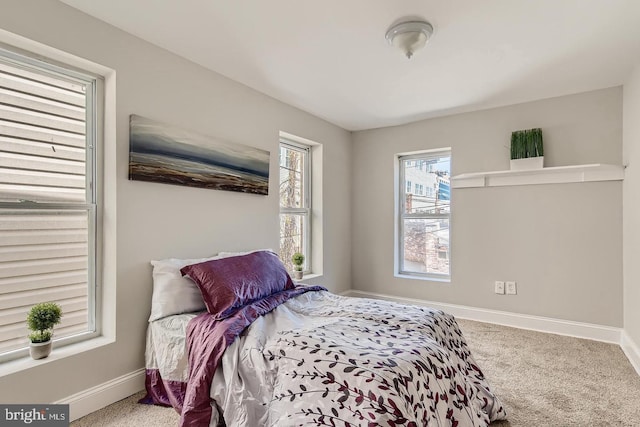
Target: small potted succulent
[(41, 320), (298, 260)]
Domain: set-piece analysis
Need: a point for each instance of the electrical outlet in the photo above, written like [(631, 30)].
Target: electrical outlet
[(499, 287), (511, 288)]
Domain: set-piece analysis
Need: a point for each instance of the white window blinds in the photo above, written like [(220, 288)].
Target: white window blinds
[(47, 197)]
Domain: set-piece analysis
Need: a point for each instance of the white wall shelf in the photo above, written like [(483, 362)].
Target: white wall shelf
[(552, 175)]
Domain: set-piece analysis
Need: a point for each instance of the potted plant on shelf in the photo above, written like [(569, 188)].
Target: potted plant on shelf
[(41, 320), (526, 149), (298, 260)]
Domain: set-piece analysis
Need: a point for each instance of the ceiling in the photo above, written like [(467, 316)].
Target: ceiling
[(330, 57)]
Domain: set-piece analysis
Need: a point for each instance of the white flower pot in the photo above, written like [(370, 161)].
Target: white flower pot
[(527, 164), (297, 274), (40, 350)]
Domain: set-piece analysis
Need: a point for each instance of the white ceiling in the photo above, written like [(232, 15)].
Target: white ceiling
[(330, 57)]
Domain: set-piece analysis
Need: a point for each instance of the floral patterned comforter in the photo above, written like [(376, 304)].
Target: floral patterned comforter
[(325, 360)]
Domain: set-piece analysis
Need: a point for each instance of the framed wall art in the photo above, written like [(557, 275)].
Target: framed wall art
[(166, 154)]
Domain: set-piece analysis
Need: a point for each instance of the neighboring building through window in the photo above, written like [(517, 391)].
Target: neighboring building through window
[(48, 201), (424, 217), (295, 202)]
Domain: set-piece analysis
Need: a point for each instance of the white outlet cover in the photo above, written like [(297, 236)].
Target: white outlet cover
[(512, 288), (499, 287)]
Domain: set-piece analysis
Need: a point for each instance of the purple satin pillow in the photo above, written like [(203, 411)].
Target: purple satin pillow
[(229, 284)]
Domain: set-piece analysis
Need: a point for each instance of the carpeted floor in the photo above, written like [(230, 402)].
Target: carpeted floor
[(552, 380), (543, 380)]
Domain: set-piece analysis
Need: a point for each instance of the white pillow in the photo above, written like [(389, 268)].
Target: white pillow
[(172, 293)]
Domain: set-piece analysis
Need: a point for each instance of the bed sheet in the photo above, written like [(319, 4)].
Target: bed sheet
[(166, 363), (167, 360)]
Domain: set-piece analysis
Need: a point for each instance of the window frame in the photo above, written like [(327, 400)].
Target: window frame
[(94, 110), (306, 210), (402, 215)]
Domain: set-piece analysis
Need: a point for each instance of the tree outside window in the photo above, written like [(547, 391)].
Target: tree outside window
[(295, 203)]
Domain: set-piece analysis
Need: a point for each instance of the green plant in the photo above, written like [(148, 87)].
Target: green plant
[(298, 260), (526, 143), (41, 320)]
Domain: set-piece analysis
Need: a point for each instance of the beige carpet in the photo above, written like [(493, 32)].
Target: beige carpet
[(552, 380), (543, 380)]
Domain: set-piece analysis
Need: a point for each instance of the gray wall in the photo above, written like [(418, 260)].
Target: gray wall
[(562, 243), (631, 210), (155, 221)]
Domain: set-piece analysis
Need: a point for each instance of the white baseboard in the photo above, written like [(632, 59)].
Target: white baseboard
[(523, 321), (90, 400), (632, 350)]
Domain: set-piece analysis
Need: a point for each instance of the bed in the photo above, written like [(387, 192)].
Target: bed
[(261, 350)]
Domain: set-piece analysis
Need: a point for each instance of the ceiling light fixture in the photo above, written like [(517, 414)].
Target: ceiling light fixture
[(409, 36)]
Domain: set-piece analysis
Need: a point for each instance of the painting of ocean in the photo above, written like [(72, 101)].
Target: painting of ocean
[(166, 154)]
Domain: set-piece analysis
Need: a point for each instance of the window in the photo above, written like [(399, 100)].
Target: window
[(424, 219), (48, 198), (295, 202)]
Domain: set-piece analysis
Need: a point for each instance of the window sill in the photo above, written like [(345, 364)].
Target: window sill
[(310, 276), (26, 363), (424, 278)]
